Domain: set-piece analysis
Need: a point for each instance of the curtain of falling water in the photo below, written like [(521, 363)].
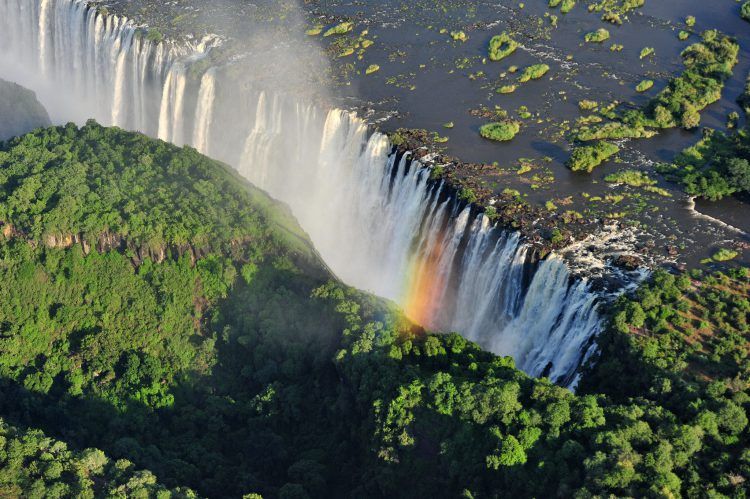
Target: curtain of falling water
[(376, 219)]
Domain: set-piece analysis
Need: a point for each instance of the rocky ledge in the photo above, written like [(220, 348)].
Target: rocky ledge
[(545, 230)]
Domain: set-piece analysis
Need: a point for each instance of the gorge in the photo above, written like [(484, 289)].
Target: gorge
[(375, 216)]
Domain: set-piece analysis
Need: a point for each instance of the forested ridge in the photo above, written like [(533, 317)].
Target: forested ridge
[(156, 307)]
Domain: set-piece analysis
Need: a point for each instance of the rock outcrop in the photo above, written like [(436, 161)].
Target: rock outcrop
[(20, 111)]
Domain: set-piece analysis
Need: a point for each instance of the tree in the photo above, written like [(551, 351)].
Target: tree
[(691, 118), (511, 454), (738, 170)]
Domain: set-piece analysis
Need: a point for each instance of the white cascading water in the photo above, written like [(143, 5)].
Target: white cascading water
[(204, 112), (375, 217)]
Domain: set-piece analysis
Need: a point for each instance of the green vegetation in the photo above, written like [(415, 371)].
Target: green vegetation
[(645, 52), (598, 36), (315, 30), (372, 68), (733, 119), (533, 72), (339, 29), (565, 5), (724, 255), (501, 132), (459, 36), (501, 46), (614, 131), (155, 36), (588, 105), (633, 178), (613, 10), (708, 64), (744, 99), (111, 316), (745, 10), (644, 86), (63, 194), (587, 158), (241, 367), (35, 465), (715, 167), (467, 194), (344, 44), (679, 346)]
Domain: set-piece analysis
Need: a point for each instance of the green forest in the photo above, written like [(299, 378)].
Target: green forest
[(167, 330)]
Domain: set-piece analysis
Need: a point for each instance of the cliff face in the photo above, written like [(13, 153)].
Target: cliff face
[(20, 111)]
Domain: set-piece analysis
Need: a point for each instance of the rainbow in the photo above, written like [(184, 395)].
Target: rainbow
[(425, 287)]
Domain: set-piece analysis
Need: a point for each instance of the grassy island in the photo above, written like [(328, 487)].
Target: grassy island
[(500, 132)]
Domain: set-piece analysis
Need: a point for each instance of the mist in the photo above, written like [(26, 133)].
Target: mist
[(252, 94), (62, 105)]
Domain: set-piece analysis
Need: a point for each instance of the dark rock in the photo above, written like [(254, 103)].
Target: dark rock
[(628, 262)]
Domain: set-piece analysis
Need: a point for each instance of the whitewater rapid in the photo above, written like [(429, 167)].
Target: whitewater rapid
[(375, 216)]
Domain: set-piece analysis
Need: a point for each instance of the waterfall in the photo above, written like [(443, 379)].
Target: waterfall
[(376, 217), (204, 112), (171, 110), (103, 63), (43, 48)]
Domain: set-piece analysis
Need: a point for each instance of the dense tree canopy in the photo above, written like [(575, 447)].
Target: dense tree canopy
[(715, 167), (34, 465), (225, 358)]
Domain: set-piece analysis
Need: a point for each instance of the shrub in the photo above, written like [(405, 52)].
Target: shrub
[(586, 158), (644, 85), (613, 131), (315, 30), (587, 105), (459, 36), (738, 171), (633, 178), (467, 194), (339, 29), (501, 46), (567, 6), (724, 255), (691, 118), (597, 36), (533, 72), (501, 132), (646, 51), (708, 64), (154, 35)]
